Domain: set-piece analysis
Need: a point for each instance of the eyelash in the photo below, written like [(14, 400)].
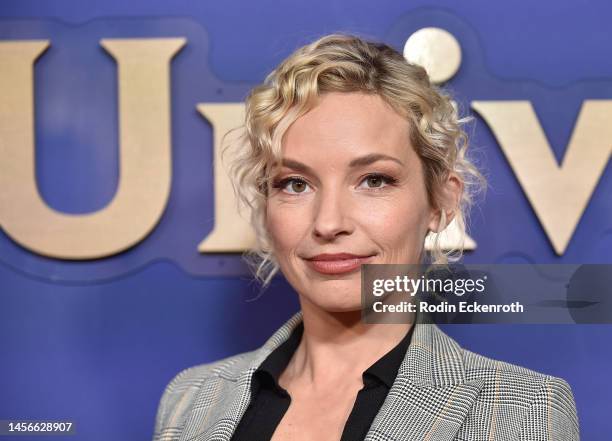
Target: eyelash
[(389, 180)]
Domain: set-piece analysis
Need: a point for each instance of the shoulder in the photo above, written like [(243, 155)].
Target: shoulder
[(228, 367), (181, 392), (511, 379), (545, 402)]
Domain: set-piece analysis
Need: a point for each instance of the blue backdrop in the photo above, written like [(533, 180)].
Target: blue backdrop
[(97, 341)]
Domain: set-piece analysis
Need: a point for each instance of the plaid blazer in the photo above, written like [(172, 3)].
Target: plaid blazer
[(441, 392)]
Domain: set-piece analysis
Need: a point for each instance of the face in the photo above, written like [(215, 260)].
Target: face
[(351, 183)]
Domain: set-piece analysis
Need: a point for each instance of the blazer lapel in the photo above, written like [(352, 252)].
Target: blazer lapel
[(429, 399), (217, 411)]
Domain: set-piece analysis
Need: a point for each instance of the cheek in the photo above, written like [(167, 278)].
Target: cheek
[(398, 221), (285, 226)]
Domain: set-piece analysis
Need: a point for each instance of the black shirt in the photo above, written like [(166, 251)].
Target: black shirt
[(269, 401)]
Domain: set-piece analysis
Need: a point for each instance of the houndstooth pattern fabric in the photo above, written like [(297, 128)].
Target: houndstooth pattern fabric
[(442, 392)]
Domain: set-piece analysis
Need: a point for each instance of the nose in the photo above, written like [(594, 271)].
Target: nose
[(331, 217)]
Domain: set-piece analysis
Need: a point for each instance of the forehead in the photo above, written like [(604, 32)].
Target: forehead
[(348, 124)]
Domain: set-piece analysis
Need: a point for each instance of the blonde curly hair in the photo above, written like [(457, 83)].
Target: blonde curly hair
[(346, 63)]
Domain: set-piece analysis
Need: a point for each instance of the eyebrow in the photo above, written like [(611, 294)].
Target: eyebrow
[(357, 162)]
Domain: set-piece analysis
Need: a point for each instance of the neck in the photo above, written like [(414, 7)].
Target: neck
[(336, 347)]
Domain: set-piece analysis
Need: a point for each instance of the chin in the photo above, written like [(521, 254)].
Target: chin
[(337, 302), (340, 307)]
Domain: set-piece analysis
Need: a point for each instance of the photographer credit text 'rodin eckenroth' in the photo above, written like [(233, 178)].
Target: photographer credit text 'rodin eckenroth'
[(493, 293)]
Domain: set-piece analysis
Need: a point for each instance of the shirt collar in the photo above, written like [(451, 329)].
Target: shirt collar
[(384, 369), (275, 363)]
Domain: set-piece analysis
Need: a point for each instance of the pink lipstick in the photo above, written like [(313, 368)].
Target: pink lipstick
[(339, 263)]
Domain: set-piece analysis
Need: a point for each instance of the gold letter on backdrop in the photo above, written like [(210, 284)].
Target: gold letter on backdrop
[(558, 194), (144, 154), (232, 232)]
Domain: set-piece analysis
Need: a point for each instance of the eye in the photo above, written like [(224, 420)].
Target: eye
[(377, 180), (297, 185)]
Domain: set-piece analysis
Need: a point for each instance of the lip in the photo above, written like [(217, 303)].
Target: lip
[(340, 263)]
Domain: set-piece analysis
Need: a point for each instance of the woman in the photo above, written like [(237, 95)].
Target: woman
[(349, 156)]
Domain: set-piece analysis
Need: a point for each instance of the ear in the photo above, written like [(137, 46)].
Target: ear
[(450, 197)]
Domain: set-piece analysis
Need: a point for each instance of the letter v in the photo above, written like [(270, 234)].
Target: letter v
[(558, 194)]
